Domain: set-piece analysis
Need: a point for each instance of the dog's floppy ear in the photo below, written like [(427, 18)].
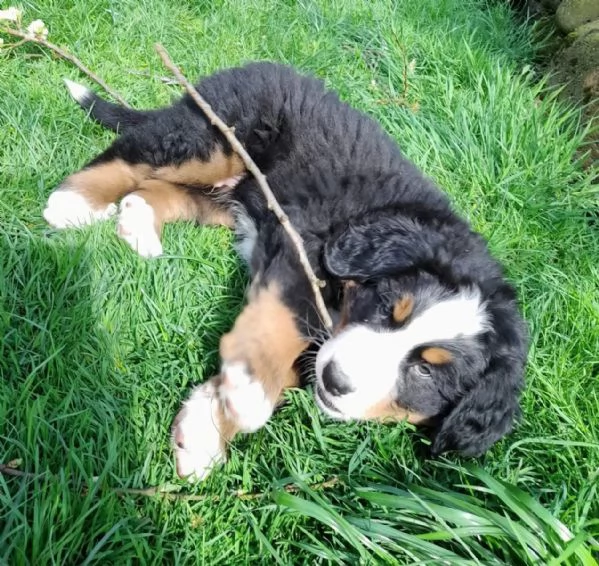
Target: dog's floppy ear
[(481, 418), (488, 411), (380, 246)]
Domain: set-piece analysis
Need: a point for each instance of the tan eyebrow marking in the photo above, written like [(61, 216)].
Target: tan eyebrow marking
[(403, 308), (436, 356)]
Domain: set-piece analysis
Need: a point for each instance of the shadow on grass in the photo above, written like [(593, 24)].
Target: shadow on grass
[(64, 409)]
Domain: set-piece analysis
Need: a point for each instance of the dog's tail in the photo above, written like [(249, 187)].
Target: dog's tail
[(110, 115)]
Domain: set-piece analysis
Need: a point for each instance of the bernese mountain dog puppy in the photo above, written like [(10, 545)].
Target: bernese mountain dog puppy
[(427, 328)]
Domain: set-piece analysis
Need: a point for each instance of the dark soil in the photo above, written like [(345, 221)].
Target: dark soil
[(572, 61)]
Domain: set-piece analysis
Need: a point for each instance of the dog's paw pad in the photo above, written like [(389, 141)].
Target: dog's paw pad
[(136, 226), (197, 440), (244, 400), (66, 208)]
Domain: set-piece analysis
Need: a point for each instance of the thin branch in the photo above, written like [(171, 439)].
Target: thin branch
[(11, 46), (405, 71), (166, 491), (10, 471), (164, 80), (260, 178), (27, 37), (160, 491)]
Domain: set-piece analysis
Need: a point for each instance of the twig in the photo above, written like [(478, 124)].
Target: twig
[(13, 45), (404, 57), (165, 80), (26, 37), (166, 492), (10, 471), (255, 171), (405, 71), (159, 491)]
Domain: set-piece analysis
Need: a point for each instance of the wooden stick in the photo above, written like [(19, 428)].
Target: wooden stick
[(166, 492), (10, 471), (251, 166), (26, 37), (159, 491)]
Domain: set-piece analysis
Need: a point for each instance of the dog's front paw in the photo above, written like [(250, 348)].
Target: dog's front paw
[(136, 226), (243, 397), (67, 208), (200, 434)]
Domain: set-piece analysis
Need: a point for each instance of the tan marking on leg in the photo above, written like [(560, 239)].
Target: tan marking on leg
[(436, 356), (106, 183), (266, 338), (403, 308), (197, 172), (388, 410), (258, 363), (171, 203)]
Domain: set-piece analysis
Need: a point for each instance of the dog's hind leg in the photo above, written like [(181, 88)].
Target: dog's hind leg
[(159, 148), (144, 211), (91, 194)]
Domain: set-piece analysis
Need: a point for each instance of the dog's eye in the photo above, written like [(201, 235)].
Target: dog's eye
[(422, 370)]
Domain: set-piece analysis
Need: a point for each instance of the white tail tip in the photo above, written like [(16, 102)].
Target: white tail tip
[(77, 91)]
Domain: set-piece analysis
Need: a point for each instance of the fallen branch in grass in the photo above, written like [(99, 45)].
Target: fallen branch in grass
[(27, 37), (10, 470), (168, 491), (165, 493), (163, 80), (251, 166)]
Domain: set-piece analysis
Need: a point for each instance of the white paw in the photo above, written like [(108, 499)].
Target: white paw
[(67, 208), (136, 226), (243, 397), (198, 444)]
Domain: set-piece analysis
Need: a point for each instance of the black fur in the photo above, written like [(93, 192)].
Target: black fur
[(113, 117), (365, 213)]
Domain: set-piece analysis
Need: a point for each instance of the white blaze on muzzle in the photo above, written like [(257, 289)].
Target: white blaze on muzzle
[(368, 360)]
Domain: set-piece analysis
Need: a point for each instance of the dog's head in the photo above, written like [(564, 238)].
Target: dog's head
[(430, 332)]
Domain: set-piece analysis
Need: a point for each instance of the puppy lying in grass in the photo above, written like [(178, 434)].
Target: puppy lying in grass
[(428, 329)]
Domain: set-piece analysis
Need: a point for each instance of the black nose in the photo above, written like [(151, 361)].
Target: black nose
[(335, 381)]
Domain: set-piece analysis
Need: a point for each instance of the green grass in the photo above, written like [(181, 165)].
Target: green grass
[(99, 347)]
